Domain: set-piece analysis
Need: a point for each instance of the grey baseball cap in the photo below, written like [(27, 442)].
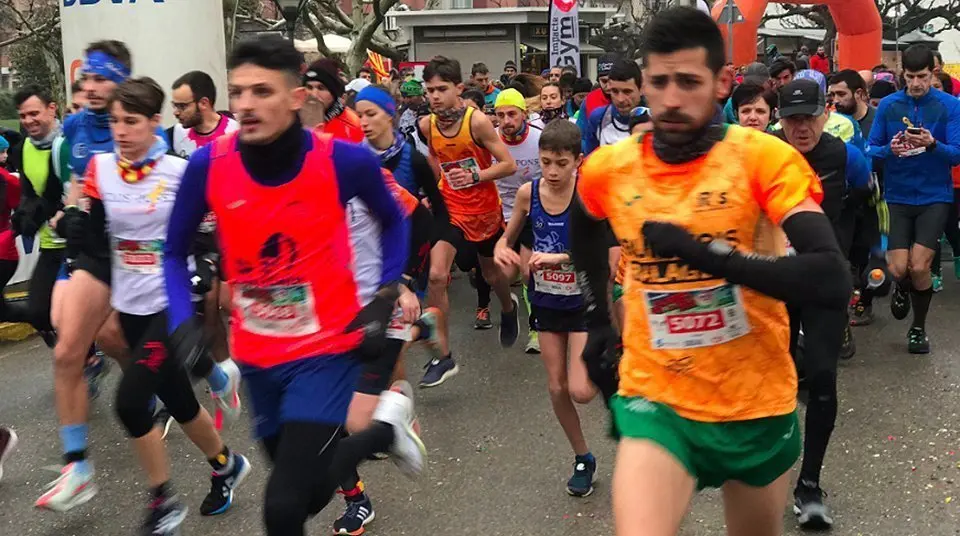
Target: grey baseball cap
[(756, 72)]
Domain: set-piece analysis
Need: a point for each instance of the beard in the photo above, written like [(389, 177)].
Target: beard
[(845, 109)]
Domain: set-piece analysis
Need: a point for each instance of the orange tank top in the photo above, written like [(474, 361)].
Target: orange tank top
[(462, 151)]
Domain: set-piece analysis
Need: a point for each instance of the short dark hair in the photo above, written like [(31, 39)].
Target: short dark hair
[(748, 92), (879, 68), (560, 137), (117, 49), (200, 84), (851, 78), (25, 93), (780, 65), (142, 96), (527, 84), (917, 58), (938, 56), (474, 95), (75, 87), (625, 71), (684, 28), (552, 84), (479, 68), (947, 83), (446, 69), (271, 52), (567, 79), (364, 69)]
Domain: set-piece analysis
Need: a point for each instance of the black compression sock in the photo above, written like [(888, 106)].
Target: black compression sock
[(921, 304), (820, 421), (483, 291), (161, 491), (357, 447)]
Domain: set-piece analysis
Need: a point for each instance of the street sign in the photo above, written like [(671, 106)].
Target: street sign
[(731, 14)]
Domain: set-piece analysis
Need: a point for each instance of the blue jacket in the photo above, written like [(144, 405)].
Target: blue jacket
[(925, 178)]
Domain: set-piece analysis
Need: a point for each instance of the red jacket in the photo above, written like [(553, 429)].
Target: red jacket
[(820, 63), (11, 198)]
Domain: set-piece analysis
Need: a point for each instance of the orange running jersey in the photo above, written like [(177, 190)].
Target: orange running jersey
[(711, 350), (473, 208), (408, 203)]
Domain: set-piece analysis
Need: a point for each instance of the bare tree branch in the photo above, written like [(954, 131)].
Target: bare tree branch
[(318, 33)]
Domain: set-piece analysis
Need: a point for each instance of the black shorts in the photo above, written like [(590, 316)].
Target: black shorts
[(97, 267), (916, 224), (375, 376), (556, 320), (453, 235)]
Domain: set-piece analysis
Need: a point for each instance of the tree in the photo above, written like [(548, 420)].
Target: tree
[(24, 19), (32, 28), (363, 26)]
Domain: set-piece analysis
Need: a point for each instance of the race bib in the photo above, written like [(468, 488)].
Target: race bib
[(695, 318), (397, 329), (209, 223), (279, 311), (559, 281), (139, 256), (467, 164)]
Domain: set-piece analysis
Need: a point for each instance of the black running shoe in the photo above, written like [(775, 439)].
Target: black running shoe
[(917, 341), (510, 324), (220, 498), (584, 475), (482, 319), (808, 505), (164, 517), (849, 347), (899, 302), (356, 515)]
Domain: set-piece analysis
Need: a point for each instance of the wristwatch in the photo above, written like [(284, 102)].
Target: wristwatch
[(721, 248)]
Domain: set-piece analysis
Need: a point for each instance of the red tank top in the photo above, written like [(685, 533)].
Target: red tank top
[(288, 253)]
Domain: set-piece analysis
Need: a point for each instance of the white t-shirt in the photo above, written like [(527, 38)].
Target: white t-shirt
[(527, 155), (611, 130)]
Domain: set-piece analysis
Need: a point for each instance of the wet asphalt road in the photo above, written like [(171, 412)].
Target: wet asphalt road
[(498, 461)]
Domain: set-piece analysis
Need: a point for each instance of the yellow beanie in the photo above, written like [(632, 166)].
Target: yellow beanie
[(511, 97)]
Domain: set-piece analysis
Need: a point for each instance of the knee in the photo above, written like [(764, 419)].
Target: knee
[(558, 389), (358, 418), (919, 269), (133, 410), (284, 512), (66, 358), (583, 394), (822, 386), (439, 277)]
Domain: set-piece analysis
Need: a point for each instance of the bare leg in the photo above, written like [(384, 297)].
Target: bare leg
[(651, 490), (553, 353), (751, 511)]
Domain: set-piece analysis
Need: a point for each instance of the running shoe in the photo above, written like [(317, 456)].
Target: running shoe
[(899, 302), (357, 514), (95, 370), (533, 343), (937, 282), (162, 420), (72, 488), (404, 388), (956, 267), (228, 402), (808, 505), (164, 517), (8, 442), (510, 324), (407, 451), (862, 315), (482, 320), (917, 341), (439, 371), (220, 497), (849, 346), (584, 475)]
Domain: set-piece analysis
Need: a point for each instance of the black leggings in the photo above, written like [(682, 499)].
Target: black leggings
[(309, 462), (952, 230), (152, 371), (41, 287)]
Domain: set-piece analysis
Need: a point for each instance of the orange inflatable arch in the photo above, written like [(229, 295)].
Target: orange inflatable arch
[(859, 30)]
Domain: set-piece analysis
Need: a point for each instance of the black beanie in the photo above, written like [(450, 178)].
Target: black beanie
[(327, 72), (605, 63)]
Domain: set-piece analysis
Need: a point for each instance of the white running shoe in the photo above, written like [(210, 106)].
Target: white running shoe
[(228, 404), (407, 451), (404, 388), (70, 489), (8, 442)]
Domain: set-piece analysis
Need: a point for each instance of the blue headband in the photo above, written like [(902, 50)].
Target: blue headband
[(379, 97), (100, 63)]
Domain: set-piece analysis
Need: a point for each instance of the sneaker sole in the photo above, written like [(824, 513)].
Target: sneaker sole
[(8, 450), (919, 351), (482, 327), (812, 521), (236, 484), (578, 494), (446, 376), (361, 530), (420, 446), (79, 499)]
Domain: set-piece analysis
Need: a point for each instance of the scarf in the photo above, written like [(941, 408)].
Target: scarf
[(390, 152), (702, 142), (46, 143), (136, 171), (548, 116), (333, 111), (448, 118)]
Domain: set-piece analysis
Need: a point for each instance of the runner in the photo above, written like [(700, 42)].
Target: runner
[(691, 413), (554, 294), (754, 106), (412, 108), (917, 135), (480, 77), (609, 124), (9, 256), (464, 144), (846, 181), (598, 97), (297, 329), (551, 105), (130, 194), (322, 80)]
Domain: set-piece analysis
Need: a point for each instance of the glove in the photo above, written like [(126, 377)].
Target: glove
[(601, 355), (668, 240), (26, 219), (202, 280), (72, 227), (190, 346), (373, 319)]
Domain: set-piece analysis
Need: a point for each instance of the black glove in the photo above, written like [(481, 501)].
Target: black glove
[(202, 280), (668, 240), (602, 358), (373, 319), (72, 227), (190, 346), (28, 218)]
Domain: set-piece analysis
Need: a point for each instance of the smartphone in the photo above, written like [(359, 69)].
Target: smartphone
[(914, 130)]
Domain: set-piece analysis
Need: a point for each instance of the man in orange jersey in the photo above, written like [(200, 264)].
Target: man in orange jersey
[(322, 81), (470, 155), (706, 394)]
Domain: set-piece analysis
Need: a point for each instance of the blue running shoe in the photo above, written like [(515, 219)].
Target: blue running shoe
[(220, 498), (439, 371), (357, 514)]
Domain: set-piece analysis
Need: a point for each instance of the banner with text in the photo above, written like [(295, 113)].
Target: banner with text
[(563, 42)]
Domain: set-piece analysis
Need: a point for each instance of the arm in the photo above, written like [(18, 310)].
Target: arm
[(859, 178), (878, 146), (189, 208), (588, 132), (950, 149), (487, 136), (359, 175), (426, 176)]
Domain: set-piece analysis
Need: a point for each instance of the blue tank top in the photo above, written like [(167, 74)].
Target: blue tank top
[(403, 170), (554, 287), (87, 133)]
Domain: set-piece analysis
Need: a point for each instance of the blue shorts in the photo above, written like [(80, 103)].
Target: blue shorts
[(314, 389)]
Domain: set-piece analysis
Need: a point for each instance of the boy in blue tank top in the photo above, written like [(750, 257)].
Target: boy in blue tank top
[(555, 300)]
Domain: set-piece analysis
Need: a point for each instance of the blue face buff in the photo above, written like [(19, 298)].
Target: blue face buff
[(100, 63), (379, 97)]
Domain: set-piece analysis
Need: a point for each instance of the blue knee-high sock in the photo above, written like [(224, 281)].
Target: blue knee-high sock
[(218, 380), (74, 440)]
